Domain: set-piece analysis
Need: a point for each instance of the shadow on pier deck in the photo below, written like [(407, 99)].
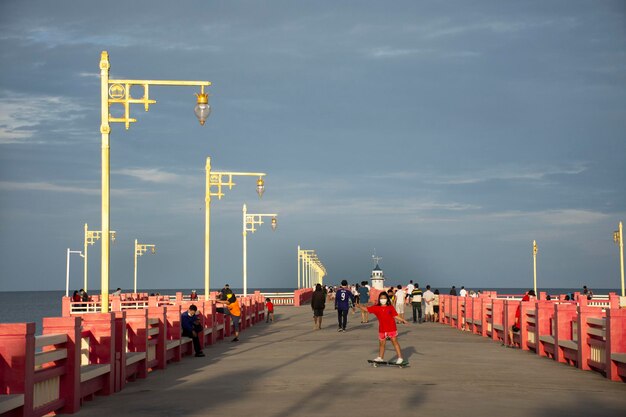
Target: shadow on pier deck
[(287, 369)]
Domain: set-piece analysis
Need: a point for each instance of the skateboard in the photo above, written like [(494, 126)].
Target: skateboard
[(385, 363)]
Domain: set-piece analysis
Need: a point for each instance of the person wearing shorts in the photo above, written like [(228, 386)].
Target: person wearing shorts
[(400, 299), (428, 298), (387, 316), (318, 303)]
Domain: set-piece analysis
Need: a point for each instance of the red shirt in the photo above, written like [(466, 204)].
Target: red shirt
[(518, 312), (385, 316), (270, 306)]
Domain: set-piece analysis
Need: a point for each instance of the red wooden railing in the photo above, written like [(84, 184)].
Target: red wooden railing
[(588, 334), (84, 354)]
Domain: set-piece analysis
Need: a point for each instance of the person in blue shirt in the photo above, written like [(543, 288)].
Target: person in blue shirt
[(344, 299), (364, 298), (190, 324)]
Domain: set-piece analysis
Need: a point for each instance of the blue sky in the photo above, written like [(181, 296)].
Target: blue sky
[(447, 135)]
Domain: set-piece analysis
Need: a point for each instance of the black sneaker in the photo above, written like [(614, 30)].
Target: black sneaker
[(236, 339), (200, 355)]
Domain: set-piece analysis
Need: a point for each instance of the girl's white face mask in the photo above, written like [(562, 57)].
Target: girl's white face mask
[(383, 301)]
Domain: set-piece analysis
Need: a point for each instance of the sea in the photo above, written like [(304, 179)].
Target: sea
[(33, 306)]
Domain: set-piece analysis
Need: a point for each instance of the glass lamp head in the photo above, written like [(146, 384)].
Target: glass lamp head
[(153, 250), (202, 109), (274, 223), (260, 187)]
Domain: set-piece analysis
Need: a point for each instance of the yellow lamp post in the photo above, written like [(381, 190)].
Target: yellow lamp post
[(250, 221), (118, 92), (215, 183), (140, 249), (91, 236), (618, 237), (535, 249)]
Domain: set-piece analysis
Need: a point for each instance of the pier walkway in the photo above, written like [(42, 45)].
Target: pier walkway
[(287, 369)]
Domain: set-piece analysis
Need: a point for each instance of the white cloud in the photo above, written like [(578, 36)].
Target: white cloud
[(510, 173), (21, 115), (389, 52), (46, 186), (557, 217), (43, 186), (504, 173), (156, 175)]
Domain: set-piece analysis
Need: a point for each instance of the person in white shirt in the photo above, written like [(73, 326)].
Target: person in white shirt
[(400, 297), (409, 290), (463, 292), (428, 298)]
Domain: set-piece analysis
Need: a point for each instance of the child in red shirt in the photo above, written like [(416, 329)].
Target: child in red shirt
[(270, 310), (387, 316)]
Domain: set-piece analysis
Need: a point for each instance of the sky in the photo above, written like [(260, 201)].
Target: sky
[(443, 136)]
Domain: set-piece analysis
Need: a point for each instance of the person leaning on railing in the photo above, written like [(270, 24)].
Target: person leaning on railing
[(516, 325)]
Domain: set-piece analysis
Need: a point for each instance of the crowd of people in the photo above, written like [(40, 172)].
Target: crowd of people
[(390, 307)]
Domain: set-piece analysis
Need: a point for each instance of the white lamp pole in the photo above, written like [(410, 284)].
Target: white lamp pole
[(67, 270)]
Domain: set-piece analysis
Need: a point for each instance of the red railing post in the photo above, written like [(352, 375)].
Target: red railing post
[(543, 316), (137, 331), (564, 314), (120, 349), (160, 347), (17, 361), (615, 343), (69, 386), (116, 303), (101, 327), (66, 306)]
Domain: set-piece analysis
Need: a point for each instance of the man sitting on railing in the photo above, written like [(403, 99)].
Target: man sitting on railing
[(191, 326)]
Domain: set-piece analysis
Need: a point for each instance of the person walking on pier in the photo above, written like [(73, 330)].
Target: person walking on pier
[(453, 290), (343, 298), (190, 324), (318, 303), (387, 328), (400, 299), (409, 291), (364, 298), (416, 303), (270, 310)]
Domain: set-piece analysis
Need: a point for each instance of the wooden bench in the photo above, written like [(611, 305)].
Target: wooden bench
[(11, 402), (619, 357), (134, 357), (568, 344), (89, 372)]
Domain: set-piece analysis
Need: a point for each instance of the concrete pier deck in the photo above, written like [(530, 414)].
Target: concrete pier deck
[(287, 369)]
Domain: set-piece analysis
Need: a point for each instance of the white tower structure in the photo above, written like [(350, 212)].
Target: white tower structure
[(377, 278)]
